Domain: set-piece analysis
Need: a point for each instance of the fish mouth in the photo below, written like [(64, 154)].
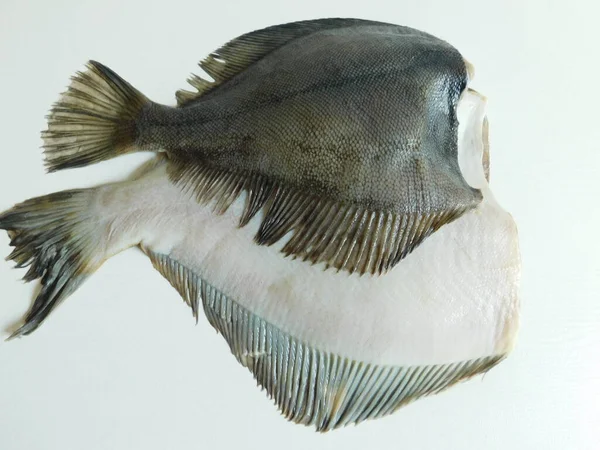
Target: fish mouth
[(473, 138)]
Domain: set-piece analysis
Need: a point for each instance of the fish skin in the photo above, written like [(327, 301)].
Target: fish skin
[(363, 114), (369, 345)]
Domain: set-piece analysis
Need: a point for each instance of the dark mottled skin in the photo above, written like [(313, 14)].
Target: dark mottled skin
[(363, 114)]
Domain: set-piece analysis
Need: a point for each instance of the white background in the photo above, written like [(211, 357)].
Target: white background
[(120, 365)]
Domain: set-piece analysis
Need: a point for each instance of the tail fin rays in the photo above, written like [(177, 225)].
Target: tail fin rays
[(94, 120), (55, 237)]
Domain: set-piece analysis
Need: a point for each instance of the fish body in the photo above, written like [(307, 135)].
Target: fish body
[(324, 200), (322, 113)]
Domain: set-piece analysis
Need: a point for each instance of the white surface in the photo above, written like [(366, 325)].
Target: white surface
[(120, 364)]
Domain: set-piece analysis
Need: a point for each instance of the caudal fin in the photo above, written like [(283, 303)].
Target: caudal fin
[(57, 238), (94, 120)]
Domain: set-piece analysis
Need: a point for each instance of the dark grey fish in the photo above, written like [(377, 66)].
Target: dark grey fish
[(345, 131)]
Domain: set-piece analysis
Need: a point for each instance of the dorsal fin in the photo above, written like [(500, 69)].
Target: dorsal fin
[(240, 53), (346, 236), (309, 385)]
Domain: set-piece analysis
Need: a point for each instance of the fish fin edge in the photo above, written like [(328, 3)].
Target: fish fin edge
[(94, 120), (238, 54), (342, 235), (310, 386), (54, 236)]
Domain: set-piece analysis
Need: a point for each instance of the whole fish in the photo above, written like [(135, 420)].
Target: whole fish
[(324, 198)]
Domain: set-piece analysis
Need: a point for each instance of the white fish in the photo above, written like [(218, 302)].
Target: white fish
[(426, 288)]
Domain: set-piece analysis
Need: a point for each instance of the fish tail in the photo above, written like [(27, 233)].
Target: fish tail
[(94, 120), (58, 237)]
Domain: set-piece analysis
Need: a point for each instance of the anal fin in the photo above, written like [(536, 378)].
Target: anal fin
[(311, 386), (345, 236)]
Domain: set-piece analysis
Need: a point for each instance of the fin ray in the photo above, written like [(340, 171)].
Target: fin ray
[(345, 236), (240, 53), (94, 120), (52, 235), (308, 385)]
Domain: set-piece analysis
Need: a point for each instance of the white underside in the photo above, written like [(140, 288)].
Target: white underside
[(454, 298)]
